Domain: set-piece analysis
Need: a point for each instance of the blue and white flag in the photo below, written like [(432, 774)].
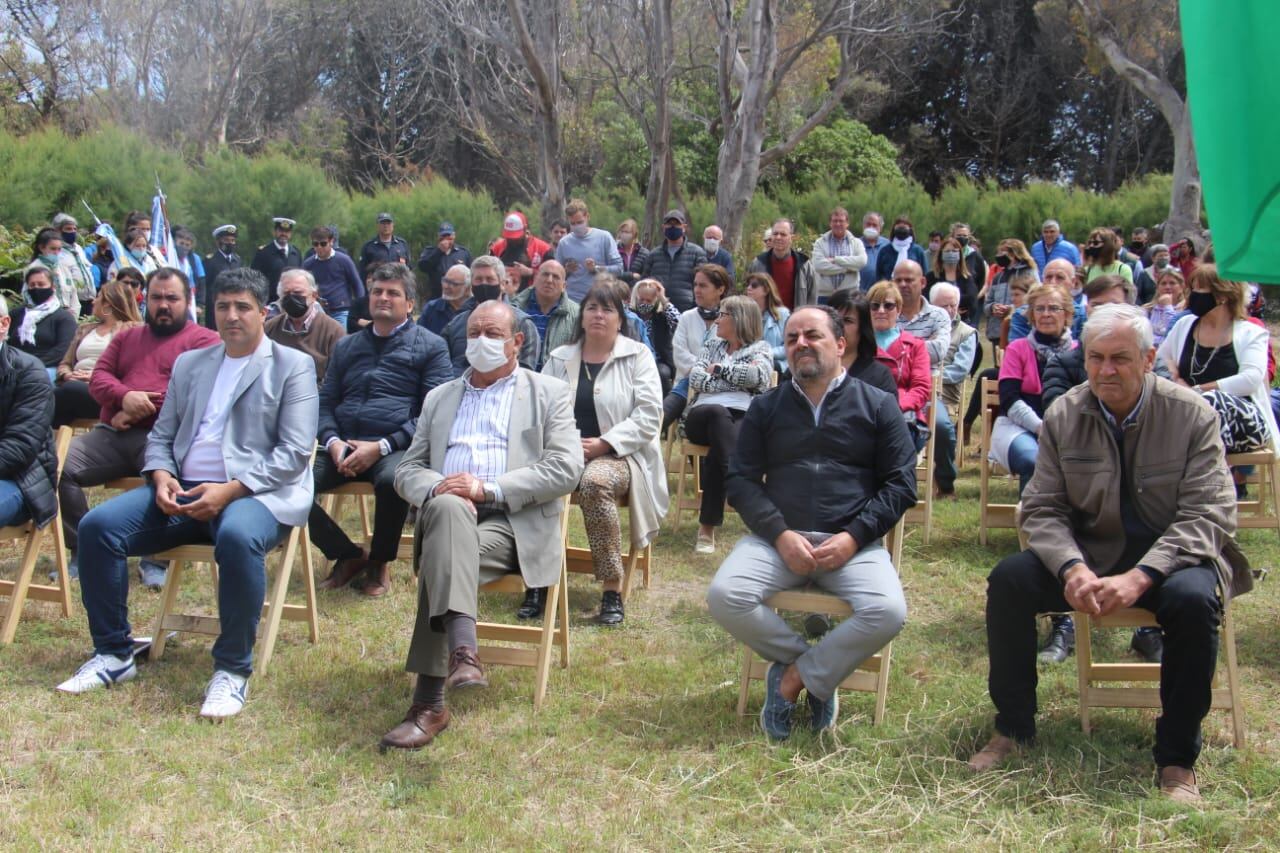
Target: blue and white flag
[(161, 237), (123, 258)]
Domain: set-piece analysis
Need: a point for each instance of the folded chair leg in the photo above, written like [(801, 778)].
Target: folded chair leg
[(20, 586), (168, 598)]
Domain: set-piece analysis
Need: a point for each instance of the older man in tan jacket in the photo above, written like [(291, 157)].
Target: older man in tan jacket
[(1131, 505)]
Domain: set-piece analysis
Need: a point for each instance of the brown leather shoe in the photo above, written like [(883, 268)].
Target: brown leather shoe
[(345, 571), (1179, 784), (420, 726), (995, 753), (377, 579), (465, 670)]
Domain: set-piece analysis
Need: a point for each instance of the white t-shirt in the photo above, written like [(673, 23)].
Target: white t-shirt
[(204, 462), (91, 348)]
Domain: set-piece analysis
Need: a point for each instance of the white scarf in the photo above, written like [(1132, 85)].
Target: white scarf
[(33, 315), (902, 246)]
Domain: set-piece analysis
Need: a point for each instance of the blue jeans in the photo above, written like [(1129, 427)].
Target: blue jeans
[(944, 450), (13, 510), (1022, 458), (341, 317), (132, 525)]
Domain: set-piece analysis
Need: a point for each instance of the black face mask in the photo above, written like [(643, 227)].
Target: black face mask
[(486, 292), (1092, 251), (901, 233), (1197, 303), (294, 305), (708, 314), (1003, 260), (39, 295), (963, 241)]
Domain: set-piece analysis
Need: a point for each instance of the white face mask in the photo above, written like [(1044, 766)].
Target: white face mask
[(871, 233), (582, 230), (711, 244), (486, 354)]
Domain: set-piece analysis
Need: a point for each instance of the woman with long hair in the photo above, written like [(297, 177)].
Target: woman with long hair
[(763, 292), (114, 308), (1102, 256), (860, 360)]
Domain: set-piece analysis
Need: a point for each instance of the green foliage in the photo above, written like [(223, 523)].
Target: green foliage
[(15, 254), (840, 155)]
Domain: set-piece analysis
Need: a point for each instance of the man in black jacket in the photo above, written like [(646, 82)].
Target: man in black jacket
[(27, 463), (279, 255), (823, 468), (223, 258), (369, 405)]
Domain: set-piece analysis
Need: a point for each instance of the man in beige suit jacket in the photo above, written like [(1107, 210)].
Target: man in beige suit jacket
[(494, 454)]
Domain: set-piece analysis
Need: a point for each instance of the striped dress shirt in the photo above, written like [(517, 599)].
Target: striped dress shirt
[(478, 437)]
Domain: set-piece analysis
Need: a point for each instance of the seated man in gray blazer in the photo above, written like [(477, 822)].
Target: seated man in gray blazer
[(228, 462), (494, 454)]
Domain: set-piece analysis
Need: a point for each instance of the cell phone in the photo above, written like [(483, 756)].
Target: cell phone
[(345, 451), (183, 500)]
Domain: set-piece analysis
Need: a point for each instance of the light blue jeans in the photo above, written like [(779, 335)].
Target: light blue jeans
[(13, 509), (1022, 458)]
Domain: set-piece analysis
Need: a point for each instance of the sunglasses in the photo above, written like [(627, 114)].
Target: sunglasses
[(883, 306), (319, 244)]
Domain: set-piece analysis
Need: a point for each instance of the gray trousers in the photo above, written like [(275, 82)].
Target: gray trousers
[(459, 554), (868, 583), (99, 455)]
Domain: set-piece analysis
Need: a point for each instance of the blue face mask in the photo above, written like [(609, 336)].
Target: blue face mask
[(673, 232), (69, 238), (138, 255), (49, 260)]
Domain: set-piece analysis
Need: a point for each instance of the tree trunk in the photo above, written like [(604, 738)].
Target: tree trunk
[(546, 80)]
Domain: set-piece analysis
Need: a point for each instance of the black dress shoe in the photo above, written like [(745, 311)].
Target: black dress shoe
[(610, 609), (1148, 643), (535, 599), (1062, 641)]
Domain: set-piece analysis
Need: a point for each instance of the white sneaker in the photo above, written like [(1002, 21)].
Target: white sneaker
[(100, 671), (706, 544), (225, 696)]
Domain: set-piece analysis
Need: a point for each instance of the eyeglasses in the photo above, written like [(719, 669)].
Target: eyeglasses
[(883, 306), (1048, 309), (453, 283)]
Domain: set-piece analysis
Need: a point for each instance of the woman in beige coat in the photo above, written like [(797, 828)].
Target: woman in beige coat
[(613, 381)]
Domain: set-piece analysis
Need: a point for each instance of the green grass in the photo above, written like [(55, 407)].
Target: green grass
[(638, 745)]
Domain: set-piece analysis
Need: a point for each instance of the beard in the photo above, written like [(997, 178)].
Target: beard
[(167, 329), (810, 368)]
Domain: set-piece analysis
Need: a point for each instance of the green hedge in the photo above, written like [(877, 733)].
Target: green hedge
[(115, 171)]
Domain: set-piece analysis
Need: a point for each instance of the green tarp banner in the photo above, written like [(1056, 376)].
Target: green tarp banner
[(1233, 88)]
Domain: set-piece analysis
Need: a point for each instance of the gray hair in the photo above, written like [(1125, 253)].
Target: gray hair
[(746, 317), (877, 214), (296, 273), (945, 287), (4, 307), (508, 311), (1108, 319), (466, 272), (493, 263), (1050, 222)]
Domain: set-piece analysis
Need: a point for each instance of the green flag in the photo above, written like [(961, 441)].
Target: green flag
[(1233, 89)]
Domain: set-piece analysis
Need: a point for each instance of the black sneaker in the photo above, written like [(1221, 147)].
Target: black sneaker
[(1062, 641), (816, 625), (1148, 643), (611, 612), (535, 599)]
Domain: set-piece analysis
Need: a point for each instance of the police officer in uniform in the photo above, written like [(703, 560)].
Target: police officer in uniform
[(386, 248), (275, 257), (224, 257)]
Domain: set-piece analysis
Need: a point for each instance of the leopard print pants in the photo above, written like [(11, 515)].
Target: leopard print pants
[(605, 481)]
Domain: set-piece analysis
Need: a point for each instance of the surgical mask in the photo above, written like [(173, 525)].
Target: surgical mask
[(49, 260), (951, 257), (138, 254), (486, 292), (626, 239), (486, 354), (711, 244), (871, 233), (673, 232), (581, 231), (933, 247), (294, 305), (1197, 303), (1161, 263), (39, 295), (901, 233)]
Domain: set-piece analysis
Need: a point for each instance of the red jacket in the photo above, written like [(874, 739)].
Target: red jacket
[(908, 361), (537, 250), (137, 359)]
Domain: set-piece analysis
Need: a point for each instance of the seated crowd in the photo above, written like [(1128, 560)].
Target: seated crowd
[(478, 394)]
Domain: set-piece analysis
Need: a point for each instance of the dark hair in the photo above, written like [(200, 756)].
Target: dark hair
[(602, 292), (1103, 283), (169, 272), (834, 320), (37, 269), (132, 234), (133, 274), (558, 223), (133, 217), (854, 300), (323, 232), (719, 278), (182, 232), (395, 272), (241, 280), (43, 236)]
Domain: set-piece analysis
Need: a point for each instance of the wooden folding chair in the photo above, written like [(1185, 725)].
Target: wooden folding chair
[(273, 610), (1091, 673), (990, 515), (362, 493), (871, 676), (922, 512), (578, 560), (554, 630), (689, 478), (21, 588), (1262, 508)]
